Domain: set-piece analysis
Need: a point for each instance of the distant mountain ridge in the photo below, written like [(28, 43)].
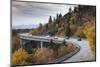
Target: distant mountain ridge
[(24, 27)]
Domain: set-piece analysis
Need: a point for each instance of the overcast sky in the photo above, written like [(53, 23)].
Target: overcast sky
[(30, 13)]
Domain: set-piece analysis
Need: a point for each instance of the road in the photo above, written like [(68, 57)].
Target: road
[(85, 54)]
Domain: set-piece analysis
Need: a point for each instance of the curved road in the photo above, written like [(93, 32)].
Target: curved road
[(85, 54)]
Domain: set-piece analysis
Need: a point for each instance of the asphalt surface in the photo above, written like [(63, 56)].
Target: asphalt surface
[(85, 54)]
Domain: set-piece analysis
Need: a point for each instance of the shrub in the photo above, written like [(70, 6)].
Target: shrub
[(43, 55), (73, 28), (62, 51), (34, 32), (89, 31), (15, 43), (55, 48), (19, 57), (60, 32), (66, 49), (79, 33)]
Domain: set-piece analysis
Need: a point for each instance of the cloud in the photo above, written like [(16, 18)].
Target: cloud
[(22, 12)]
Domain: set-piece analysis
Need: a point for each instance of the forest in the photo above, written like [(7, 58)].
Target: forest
[(78, 23)]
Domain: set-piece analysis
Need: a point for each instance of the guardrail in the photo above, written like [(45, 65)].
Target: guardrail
[(59, 60), (41, 38)]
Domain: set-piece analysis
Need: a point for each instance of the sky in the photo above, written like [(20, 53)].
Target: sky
[(32, 13)]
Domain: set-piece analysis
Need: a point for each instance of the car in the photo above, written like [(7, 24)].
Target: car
[(55, 37), (67, 37), (48, 36), (79, 39)]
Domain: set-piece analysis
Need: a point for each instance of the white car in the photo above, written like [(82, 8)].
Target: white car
[(48, 36), (55, 37)]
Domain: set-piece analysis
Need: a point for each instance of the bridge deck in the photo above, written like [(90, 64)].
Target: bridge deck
[(42, 38)]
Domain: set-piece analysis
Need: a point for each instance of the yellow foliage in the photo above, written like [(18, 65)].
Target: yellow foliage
[(89, 31), (79, 33), (73, 27), (43, 55), (34, 32), (19, 57), (66, 49), (60, 32), (15, 42), (62, 51), (40, 55)]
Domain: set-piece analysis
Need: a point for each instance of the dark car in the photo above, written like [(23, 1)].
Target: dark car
[(79, 39), (67, 37)]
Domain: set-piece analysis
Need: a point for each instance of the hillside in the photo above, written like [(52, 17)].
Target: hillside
[(71, 24), (77, 23)]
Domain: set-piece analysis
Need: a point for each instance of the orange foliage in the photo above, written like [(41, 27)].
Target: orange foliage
[(66, 49), (15, 42), (43, 55), (89, 31), (19, 57)]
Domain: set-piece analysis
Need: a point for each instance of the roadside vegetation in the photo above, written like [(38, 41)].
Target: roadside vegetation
[(77, 23), (41, 55), (89, 30)]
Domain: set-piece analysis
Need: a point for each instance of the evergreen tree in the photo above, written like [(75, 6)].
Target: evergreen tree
[(54, 19), (70, 10), (57, 15), (60, 15), (40, 26), (75, 9), (50, 19), (67, 30), (46, 26)]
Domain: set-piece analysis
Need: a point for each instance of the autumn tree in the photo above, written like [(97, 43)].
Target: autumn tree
[(89, 31), (67, 30), (43, 55), (60, 31), (79, 33), (73, 28), (19, 57), (54, 46), (15, 43)]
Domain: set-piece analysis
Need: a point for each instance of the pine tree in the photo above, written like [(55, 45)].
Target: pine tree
[(50, 19), (70, 10), (60, 15), (54, 19), (67, 30), (75, 9), (40, 25)]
